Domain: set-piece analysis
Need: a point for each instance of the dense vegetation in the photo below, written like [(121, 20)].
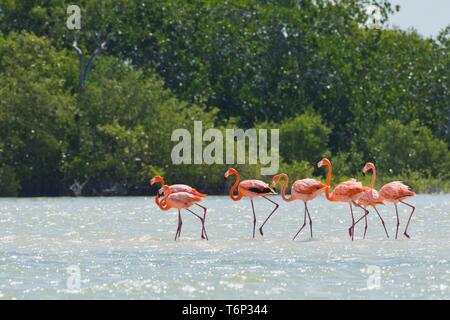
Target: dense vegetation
[(327, 73)]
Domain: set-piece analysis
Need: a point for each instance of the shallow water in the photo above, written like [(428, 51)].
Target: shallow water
[(124, 248)]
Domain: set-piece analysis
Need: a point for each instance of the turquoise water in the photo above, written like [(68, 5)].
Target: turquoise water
[(110, 248)]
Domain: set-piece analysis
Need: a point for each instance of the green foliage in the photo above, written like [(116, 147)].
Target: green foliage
[(399, 149), (36, 111), (347, 165), (420, 183), (298, 169), (336, 82), (126, 121), (9, 184), (304, 137)]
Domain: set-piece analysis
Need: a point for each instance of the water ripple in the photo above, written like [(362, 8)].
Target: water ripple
[(124, 248)]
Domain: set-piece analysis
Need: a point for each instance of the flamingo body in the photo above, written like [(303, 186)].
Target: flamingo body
[(395, 191), (370, 197), (180, 196), (251, 189), (185, 188), (254, 188), (175, 188), (304, 190), (348, 191), (181, 200)]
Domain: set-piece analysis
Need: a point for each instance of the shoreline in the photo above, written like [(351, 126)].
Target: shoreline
[(152, 196)]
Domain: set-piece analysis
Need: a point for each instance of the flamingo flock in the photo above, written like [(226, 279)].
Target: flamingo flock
[(181, 196)]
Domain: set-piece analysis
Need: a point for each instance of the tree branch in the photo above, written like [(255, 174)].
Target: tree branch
[(101, 45)]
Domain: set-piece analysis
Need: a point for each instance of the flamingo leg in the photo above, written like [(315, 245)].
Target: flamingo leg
[(268, 217), (382, 221), (204, 220), (351, 230), (412, 212), (309, 217), (398, 220), (304, 224), (366, 212), (180, 223), (365, 226), (254, 218)]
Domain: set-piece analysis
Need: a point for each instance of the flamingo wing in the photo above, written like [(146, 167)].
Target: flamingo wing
[(180, 188), (308, 186), (352, 182), (348, 188), (185, 188), (396, 190), (199, 194), (182, 199), (256, 187), (370, 197)]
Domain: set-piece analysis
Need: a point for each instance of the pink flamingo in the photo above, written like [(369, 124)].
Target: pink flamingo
[(181, 200), (371, 197), (348, 191), (304, 190), (396, 192), (174, 188), (251, 189), (179, 188)]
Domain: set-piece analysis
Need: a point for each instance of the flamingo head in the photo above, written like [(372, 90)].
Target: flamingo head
[(229, 172), (275, 180), (324, 162), (165, 190), (368, 166), (161, 192), (156, 179)]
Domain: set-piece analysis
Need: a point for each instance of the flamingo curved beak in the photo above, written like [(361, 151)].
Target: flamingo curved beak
[(152, 182), (226, 175), (274, 183), (368, 166), (320, 163)]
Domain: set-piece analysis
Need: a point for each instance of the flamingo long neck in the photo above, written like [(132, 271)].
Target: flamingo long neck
[(328, 183), (164, 206), (235, 185), (283, 189), (374, 177), (157, 197)]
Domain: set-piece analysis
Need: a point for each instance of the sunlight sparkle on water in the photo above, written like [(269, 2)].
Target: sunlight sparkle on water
[(124, 248)]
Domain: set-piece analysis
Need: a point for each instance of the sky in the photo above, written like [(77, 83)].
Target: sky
[(428, 17)]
